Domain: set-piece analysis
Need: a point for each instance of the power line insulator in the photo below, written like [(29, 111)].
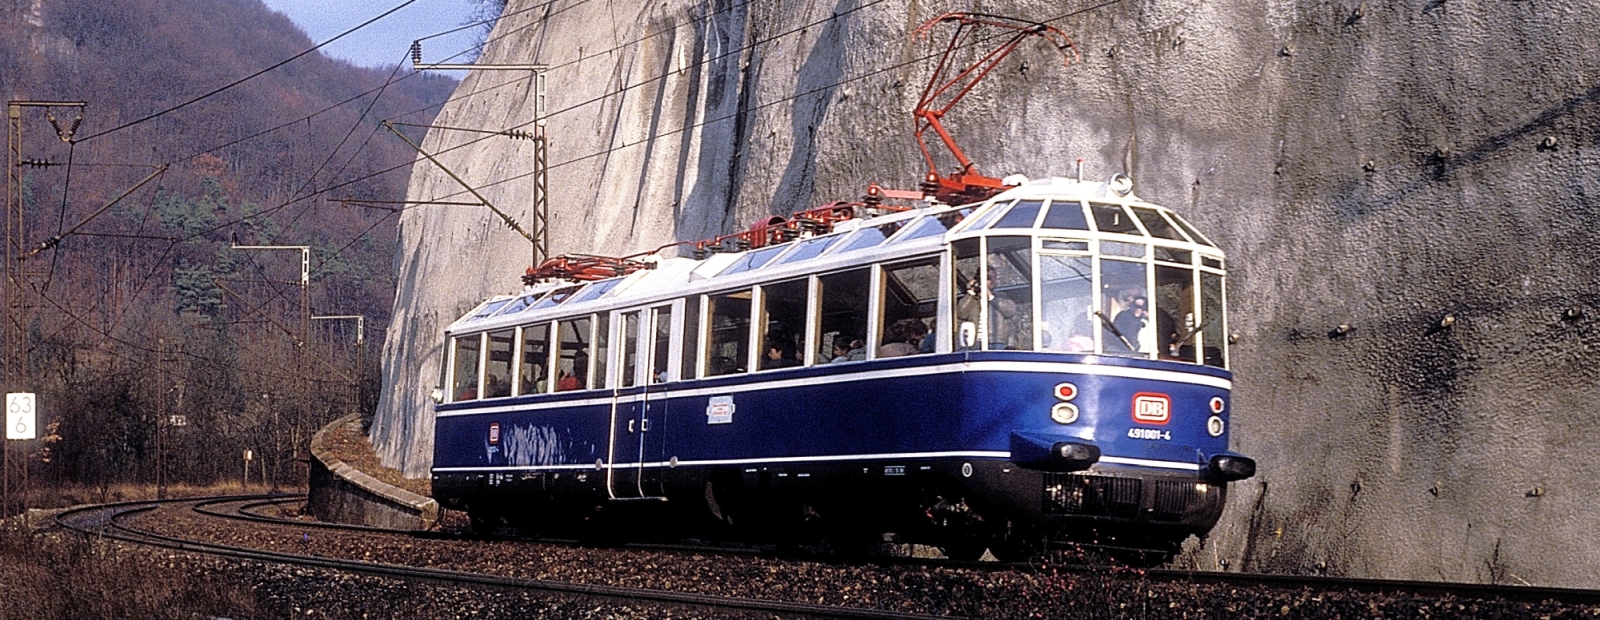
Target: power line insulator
[(416, 52)]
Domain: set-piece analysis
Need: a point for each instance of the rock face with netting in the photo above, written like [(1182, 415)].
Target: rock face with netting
[(1419, 173)]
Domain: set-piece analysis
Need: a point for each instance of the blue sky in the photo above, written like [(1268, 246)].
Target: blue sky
[(387, 41)]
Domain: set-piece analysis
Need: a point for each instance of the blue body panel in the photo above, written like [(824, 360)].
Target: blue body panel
[(959, 405)]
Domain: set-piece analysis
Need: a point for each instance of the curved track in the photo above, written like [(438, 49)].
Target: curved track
[(110, 521)]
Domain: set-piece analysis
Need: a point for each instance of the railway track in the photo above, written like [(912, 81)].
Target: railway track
[(110, 521), (1573, 596), (116, 521)]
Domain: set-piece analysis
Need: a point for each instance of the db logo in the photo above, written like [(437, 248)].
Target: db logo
[(1151, 408), (494, 433)]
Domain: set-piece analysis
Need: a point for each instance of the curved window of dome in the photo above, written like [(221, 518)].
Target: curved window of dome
[(596, 290), (1157, 225), (518, 305), (1067, 214), (810, 248), (1193, 234), (753, 260), (1022, 215), (869, 237), (489, 309), (555, 297), (1113, 219), (987, 216)]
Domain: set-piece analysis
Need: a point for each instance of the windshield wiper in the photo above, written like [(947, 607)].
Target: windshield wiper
[(1195, 330), (1114, 331)]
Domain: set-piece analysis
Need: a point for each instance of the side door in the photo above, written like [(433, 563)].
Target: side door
[(628, 391), (662, 334)]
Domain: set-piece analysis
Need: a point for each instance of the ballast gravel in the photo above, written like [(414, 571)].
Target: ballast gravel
[(991, 594)]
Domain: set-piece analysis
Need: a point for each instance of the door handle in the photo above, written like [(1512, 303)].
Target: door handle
[(630, 426), (644, 425)]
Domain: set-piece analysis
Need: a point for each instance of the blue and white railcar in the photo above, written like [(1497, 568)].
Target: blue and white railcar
[(1052, 362)]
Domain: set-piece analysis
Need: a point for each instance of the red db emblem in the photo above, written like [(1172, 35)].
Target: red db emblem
[(494, 434), (1151, 408)]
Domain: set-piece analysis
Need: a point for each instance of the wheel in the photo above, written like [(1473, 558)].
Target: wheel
[(483, 522), (966, 549)]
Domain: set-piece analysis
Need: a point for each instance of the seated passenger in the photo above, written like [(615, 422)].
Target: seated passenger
[(776, 358), (841, 352), (899, 337), (567, 382), (858, 350)]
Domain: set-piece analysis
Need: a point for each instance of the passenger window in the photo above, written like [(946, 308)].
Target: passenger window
[(691, 337), (1112, 219), (1021, 216), (602, 349), (1067, 293), (1067, 214), (1009, 313), (910, 297), (1174, 313), (783, 333), (933, 225), (729, 350), (518, 305), (967, 285), (572, 372), (661, 345), (535, 360), (465, 386), (1124, 313), (1213, 331), (842, 316), (630, 348), (497, 373)]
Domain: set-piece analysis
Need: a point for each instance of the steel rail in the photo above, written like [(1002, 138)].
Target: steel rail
[(111, 526), (1316, 582)]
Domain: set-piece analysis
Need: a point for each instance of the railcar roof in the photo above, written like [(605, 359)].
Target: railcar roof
[(853, 242)]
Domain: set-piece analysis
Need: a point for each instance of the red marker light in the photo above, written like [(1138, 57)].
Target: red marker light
[(1217, 405), (1066, 391)]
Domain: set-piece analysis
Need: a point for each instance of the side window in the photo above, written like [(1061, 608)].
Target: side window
[(843, 315), (1009, 275), (783, 327), (602, 350), (691, 337), (661, 345), (464, 384), (630, 348), (967, 286), (533, 375), (729, 349), (497, 373), (1067, 293), (572, 371), (1124, 312), (910, 294), (1174, 309), (1213, 339)]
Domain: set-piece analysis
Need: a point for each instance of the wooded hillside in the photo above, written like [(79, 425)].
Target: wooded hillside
[(146, 312)]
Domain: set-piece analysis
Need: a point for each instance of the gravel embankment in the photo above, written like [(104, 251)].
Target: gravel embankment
[(992, 595)]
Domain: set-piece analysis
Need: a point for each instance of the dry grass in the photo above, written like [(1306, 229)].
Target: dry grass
[(350, 445), (66, 576)]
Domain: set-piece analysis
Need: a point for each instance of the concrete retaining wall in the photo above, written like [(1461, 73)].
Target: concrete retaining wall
[(341, 494)]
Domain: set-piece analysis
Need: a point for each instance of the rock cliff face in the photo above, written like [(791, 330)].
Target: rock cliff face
[(1422, 171)]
